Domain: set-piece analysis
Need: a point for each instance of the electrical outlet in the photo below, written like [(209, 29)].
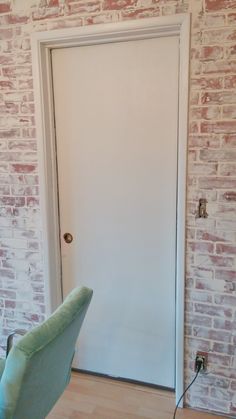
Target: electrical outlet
[(201, 356)]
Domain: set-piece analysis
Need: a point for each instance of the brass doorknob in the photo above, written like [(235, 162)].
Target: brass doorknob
[(68, 237)]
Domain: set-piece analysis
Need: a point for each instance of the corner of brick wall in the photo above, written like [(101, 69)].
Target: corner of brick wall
[(211, 243)]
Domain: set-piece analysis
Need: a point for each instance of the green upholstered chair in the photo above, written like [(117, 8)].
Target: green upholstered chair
[(38, 367)]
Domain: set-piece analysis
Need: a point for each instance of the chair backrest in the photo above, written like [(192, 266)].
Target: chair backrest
[(38, 367)]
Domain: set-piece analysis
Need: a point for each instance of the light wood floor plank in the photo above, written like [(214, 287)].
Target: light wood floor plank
[(90, 397)]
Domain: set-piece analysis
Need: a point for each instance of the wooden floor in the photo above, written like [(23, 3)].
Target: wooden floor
[(92, 397)]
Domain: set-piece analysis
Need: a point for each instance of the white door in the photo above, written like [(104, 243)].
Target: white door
[(116, 112)]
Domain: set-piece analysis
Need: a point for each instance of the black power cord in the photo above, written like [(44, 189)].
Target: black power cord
[(199, 366)]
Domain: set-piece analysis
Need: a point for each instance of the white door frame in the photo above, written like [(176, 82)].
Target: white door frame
[(42, 44)]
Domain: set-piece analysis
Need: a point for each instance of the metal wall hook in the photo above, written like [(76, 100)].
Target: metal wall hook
[(202, 211)]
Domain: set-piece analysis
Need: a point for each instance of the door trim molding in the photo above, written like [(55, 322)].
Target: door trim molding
[(42, 44)]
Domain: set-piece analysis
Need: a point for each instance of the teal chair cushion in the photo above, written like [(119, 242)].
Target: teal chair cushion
[(38, 367), (2, 366)]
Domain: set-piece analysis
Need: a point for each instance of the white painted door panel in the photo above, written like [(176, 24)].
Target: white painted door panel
[(116, 111)]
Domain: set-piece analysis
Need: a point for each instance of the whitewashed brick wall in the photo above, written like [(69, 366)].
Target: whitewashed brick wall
[(211, 243)]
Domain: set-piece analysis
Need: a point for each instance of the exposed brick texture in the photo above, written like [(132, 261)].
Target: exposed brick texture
[(211, 243)]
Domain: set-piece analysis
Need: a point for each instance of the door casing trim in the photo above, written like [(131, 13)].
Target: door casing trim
[(42, 44)]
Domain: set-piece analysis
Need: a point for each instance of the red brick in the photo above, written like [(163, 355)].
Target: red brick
[(196, 295), (210, 404), (224, 211), (188, 307), (210, 285), (233, 385), (206, 112), (23, 168), (12, 201), (218, 36), (218, 155), (198, 320), (6, 60), (202, 169), (191, 181), (53, 3), (214, 83), (217, 335), (225, 300), (218, 127), (190, 233), (19, 96), (192, 155), (225, 249), (23, 44), (7, 85), (231, 18), (10, 133), (17, 71), (189, 283), (211, 52), (7, 33), (199, 272), (200, 247), (215, 5), (17, 120), (227, 224), (25, 84), (28, 132), (224, 324), (218, 359), (229, 112), (230, 52), (220, 394), (9, 108), (210, 235), (18, 145), (230, 82), (84, 7), (197, 344), (229, 140), (5, 7), (219, 67), (32, 201), (23, 58), (45, 13), (33, 245), (229, 196), (20, 190), (13, 19), (218, 98), (223, 348), (214, 261), (10, 33), (217, 183), (66, 23), (140, 13), (214, 20), (27, 108), (118, 4), (193, 127), (194, 53), (204, 141), (194, 97), (213, 310)]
